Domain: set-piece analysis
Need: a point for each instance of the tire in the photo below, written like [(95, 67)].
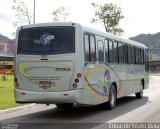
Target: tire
[(140, 94), (65, 105), (112, 98)]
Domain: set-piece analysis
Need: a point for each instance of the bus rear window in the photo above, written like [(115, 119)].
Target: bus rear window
[(46, 40)]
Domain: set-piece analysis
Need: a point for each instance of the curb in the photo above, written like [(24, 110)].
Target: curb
[(17, 108)]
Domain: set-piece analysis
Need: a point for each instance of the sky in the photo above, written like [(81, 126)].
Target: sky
[(140, 16)]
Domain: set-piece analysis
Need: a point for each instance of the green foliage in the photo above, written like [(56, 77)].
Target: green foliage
[(10, 73), (7, 93), (60, 14), (109, 15)]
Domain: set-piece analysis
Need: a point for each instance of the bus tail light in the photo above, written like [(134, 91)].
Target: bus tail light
[(16, 80), (76, 80), (79, 75), (17, 84), (74, 85)]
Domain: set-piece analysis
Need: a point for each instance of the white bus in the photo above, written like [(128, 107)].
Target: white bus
[(67, 63)]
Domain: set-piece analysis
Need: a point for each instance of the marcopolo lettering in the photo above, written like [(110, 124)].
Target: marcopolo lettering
[(63, 69)]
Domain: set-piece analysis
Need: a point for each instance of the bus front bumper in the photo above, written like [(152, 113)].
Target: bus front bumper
[(72, 96)]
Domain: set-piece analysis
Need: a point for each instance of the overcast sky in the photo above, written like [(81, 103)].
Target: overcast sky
[(140, 16)]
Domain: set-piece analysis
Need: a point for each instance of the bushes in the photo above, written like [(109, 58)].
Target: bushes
[(10, 73)]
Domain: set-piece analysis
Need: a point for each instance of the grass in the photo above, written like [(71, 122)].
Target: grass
[(7, 93)]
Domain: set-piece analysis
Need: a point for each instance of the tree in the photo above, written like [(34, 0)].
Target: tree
[(60, 14), (109, 15), (21, 13)]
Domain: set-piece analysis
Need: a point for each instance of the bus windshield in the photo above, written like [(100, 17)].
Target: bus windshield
[(46, 40)]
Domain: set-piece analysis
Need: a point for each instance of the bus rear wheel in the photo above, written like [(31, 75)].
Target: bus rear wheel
[(112, 98), (64, 105), (140, 93)]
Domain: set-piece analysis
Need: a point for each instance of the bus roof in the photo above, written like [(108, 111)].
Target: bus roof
[(114, 37), (87, 29)]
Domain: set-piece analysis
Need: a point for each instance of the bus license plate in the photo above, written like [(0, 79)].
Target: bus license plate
[(45, 84)]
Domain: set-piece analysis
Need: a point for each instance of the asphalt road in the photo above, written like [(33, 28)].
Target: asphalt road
[(128, 110)]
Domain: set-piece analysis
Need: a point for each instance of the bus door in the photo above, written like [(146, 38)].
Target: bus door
[(103, 70), (91, 64)]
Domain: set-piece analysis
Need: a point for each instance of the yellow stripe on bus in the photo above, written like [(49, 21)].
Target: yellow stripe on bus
[(24, 73), (100, 97), (94, 93)]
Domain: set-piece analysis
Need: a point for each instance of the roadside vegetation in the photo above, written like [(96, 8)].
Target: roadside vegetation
[(7, 93)]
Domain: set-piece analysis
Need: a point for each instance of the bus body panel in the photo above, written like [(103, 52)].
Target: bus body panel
[(131, 78)]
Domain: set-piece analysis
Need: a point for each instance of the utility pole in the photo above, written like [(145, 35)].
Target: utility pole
[(34, 12)]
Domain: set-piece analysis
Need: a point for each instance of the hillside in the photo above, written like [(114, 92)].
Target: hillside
[(152, 41)]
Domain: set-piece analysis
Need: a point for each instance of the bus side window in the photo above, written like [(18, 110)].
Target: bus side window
[(90, 48), (107, 51), (115, 50), (129, 54), (142, 56), (133, 55), (146, 60), (120, 53), (137, 55), (86, 44), (126, 53), (111, 56), (100, 51)]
